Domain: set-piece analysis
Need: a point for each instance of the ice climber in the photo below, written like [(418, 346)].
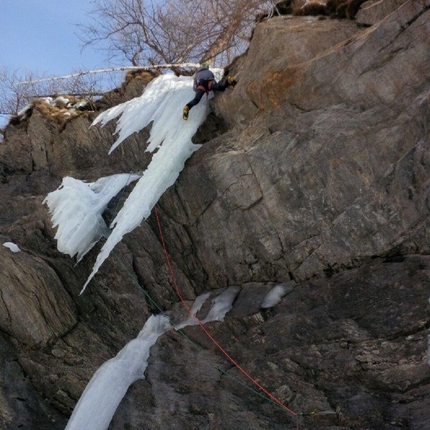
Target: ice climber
[(204, 81)]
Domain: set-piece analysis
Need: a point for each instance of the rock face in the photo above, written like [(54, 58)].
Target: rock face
[(315, 174)]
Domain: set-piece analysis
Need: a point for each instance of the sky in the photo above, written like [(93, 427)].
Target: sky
[(41, 36)]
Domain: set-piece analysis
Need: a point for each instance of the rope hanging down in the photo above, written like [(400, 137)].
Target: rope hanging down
[(205, 330), (188, 339)]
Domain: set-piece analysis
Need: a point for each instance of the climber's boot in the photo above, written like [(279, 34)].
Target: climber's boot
[(185, 113), (231, 81)]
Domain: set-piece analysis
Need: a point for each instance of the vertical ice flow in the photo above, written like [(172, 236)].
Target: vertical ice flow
[(107, 387), (109, 384), (170, 137)]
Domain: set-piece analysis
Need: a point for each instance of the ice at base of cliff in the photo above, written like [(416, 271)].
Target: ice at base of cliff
[(107, 387)]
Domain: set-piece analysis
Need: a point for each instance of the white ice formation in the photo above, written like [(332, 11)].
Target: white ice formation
[(107, 387), (12, 246), (76, 209)]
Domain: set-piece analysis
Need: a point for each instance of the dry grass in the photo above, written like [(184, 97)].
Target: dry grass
[(146, 75), (62, 109)]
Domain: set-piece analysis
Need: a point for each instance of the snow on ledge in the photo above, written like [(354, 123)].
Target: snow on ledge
[(12, 246), (275, 295)]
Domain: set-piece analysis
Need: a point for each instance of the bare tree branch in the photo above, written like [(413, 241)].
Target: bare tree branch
[(110, 69), (18, 90), (149, 32)]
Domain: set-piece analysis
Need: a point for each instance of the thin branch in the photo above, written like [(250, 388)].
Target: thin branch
[(112, 69), (92, 94)]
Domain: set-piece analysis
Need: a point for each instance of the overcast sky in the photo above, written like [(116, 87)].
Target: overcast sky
[(40, 36)]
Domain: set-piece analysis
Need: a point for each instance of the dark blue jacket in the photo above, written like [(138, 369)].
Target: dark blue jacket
[(202, 76)]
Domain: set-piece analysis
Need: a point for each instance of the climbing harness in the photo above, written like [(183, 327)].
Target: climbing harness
[(205, 85)]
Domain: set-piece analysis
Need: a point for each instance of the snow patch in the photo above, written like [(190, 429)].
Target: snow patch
[(275, 295), (197, 305), (25, 110), (12, 246), (222, 304), (60, 100)]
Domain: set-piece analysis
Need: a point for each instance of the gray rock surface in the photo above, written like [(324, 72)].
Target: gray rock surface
[(313, 172), (371, 12)]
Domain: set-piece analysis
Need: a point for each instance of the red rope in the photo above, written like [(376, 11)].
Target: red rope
[(227, 355)]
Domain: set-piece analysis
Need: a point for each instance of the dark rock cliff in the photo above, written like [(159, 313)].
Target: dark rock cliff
[(315, 173)]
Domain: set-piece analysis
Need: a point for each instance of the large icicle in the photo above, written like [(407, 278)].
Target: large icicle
[(107, 387), (77, 208), (162, 104)]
